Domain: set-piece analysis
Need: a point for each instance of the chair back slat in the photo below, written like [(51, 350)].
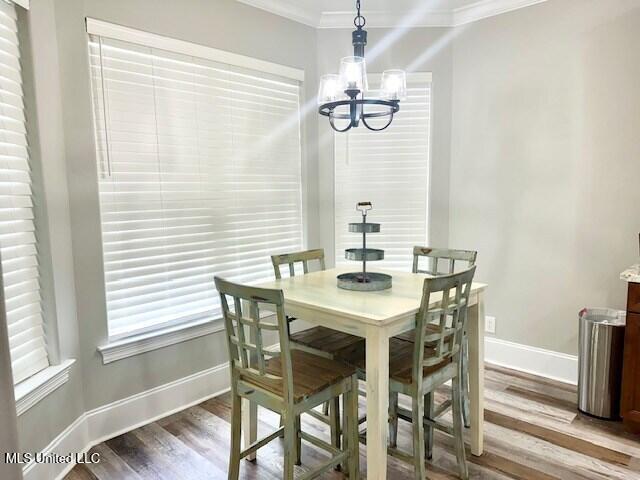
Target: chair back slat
[(434, 255), (242, 352), (248, 357), (450, 313), (233, 337), (291, 259), (255, 316)]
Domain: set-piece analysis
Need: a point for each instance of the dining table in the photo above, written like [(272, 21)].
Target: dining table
[(377, 316)]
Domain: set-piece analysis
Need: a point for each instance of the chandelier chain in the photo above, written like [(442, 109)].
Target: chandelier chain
[(359, 21)]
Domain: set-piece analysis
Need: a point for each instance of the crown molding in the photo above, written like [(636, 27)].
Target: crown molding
[(390, 19), (488, 8), (22, 3), (288, 9)]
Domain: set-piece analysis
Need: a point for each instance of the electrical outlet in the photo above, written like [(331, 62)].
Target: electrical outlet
[(490, 324)]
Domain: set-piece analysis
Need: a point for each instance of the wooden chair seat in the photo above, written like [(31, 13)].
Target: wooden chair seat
[(311, 374), (400, 360), (401, 363), (327, 340), (410, 336)]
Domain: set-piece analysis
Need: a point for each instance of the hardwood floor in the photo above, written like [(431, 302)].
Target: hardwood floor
[(532, 432)]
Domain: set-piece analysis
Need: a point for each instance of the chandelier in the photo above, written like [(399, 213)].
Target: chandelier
[(342, 97)]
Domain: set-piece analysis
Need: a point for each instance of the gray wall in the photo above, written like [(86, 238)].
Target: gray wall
[(534, 162), (546, 161), (417, 50), (64, 144)]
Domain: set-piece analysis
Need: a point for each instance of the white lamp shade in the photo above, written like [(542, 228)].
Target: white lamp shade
[(394, 85), (330, 89), (353, 74)]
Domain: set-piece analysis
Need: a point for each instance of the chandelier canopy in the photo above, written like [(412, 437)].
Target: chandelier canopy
[(342, 96)]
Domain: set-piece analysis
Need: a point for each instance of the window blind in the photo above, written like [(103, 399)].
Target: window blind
[(18, 246), (390, 169), (199, 175)]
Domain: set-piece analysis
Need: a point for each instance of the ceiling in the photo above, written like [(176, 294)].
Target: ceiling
[(389, 13)]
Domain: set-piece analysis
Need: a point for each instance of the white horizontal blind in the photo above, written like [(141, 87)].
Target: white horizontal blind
[(199, 175), (390, 169), (18, 245)]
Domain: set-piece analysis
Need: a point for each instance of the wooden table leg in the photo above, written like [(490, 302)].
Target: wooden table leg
[(476, 373), (377, 345)]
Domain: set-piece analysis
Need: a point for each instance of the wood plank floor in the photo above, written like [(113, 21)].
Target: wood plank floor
[(532, 432)]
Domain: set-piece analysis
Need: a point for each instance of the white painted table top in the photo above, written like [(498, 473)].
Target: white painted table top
[(631, 274), (319, 291)]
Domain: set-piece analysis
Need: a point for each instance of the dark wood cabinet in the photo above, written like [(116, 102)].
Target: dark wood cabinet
[(630, 403), (633, 298)]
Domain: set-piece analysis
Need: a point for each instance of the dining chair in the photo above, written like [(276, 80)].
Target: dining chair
[(443, 261), (289, 382), (433, 359), (441, 347), (318, 340)]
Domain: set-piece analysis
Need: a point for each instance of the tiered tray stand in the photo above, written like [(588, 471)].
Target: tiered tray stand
[(364, 281)]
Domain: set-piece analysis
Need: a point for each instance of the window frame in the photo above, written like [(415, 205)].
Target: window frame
[(375, 78), (36, 212), (37, 387), (126, 345)]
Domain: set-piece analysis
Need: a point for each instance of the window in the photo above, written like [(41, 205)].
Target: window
[(199, 175), (390, 169), (18, 244)]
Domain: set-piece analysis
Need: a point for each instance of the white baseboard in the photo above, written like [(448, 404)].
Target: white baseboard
[(121, 416), (545, 363)]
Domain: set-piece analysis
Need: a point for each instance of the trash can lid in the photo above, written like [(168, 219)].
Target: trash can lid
[(604, 316)]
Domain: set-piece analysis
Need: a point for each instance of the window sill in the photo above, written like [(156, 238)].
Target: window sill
[(147, 342), (32, 390)]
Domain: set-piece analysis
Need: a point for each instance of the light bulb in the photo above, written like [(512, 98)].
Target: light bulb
[(394, 85), (353, 74), (330, 89)]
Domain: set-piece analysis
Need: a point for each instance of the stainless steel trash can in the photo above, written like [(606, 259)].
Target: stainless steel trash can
[(600, 351)]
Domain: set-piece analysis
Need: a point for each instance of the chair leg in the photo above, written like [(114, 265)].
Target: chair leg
[(418, 437), (281, 424), (344, 431), (428, 413), (298, 442), (289, 446), (458, 428), (334, 421), (334, 424), (393, 419), (464, 363), (236, 426), (351, 439), (325, 408)]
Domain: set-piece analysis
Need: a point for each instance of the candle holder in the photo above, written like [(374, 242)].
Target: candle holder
[(364, 281)]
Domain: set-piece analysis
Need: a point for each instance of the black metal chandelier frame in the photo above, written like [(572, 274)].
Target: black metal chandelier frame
[(357, 105)]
